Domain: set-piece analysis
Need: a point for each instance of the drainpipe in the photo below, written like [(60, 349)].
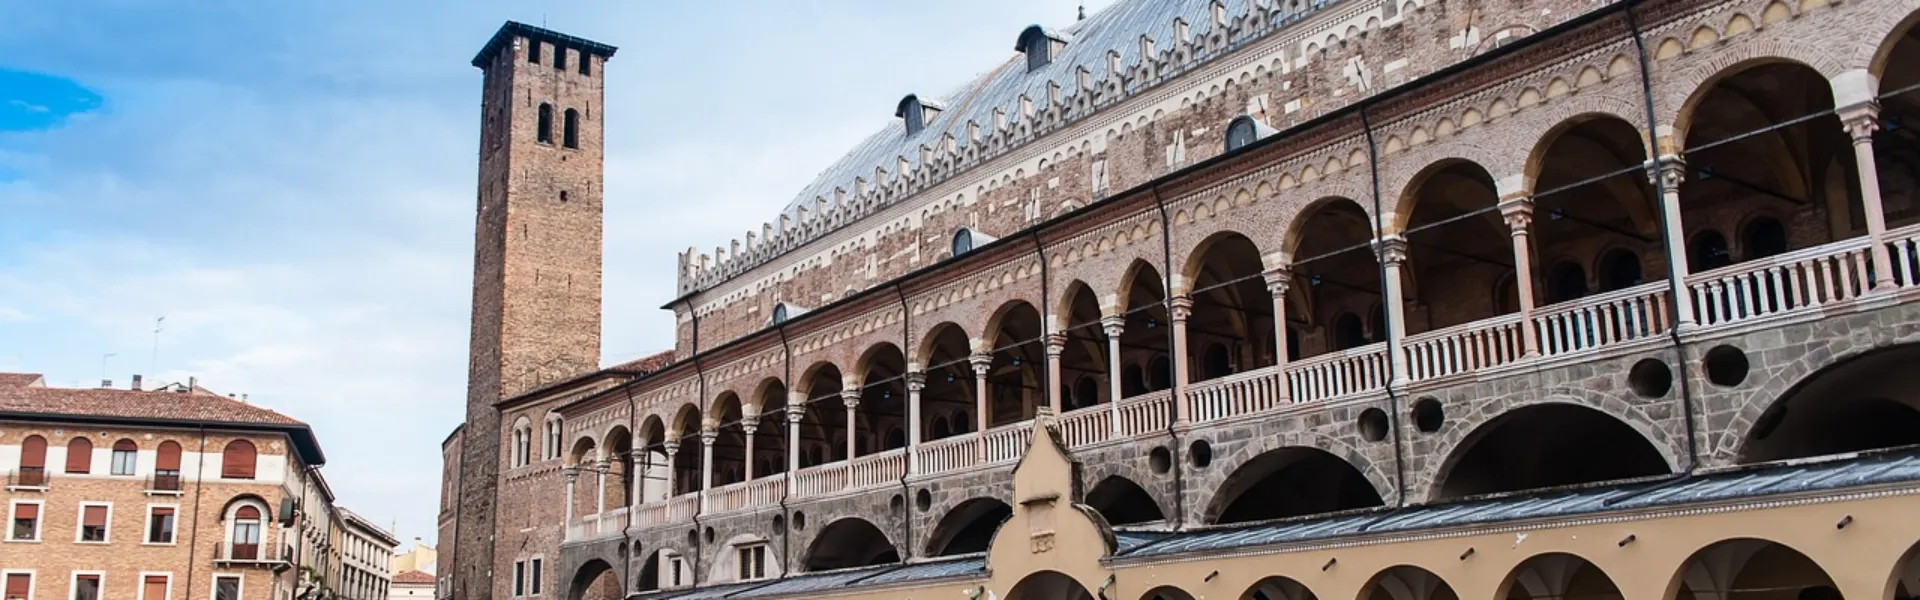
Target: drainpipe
[(199, 481), (1173, 406), (1393, 395), (1047, 384), (1659, 191), (700, 374), (786, 538), (913, 414)]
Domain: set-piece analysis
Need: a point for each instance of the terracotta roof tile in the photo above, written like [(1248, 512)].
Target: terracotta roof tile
[(128, 404), (21, 379), (413, 578), (647, 364)]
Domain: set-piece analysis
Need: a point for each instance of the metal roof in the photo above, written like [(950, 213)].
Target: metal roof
[(818, 582)]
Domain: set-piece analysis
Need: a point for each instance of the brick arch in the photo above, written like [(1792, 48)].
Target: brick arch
[(1135, 269), (1192, 241), (923, 353), (1193, 257), (1536, 158), (1485, 146), (1887, 24), (990, 332), (1680, 96), (1471, 425), (1378, 474), (1297, 223), (1781, 378), (589, 571), (863, 364), (756, 401), (1402, 186), (1061, 313)]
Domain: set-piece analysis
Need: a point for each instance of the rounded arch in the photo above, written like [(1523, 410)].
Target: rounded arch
[(1352, 213), (850, 542), (1049, 585), (1728, 567), (585, 449), (1073, 300), (238, 501), (1557, 576), (1278, 587), (1547, 444), (1123, 502), (595, 580), (1292, 481), (1409, 205), (1537, 158), (885, 355), (1860, 402), (617, 437), (770, 393), (687, 419), (940, 337), (1407, 582), (653, 430), (1884, 51), (1238, 244), (1011, 318), (1688, 109), (1904, 582), (1140, 276), (968, 527), (1167, 592)]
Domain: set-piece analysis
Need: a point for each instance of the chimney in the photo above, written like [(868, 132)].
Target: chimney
[(193, 381), (106, 383), (136, 382)]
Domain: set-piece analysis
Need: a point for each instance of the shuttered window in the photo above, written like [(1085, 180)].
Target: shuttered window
[(237, 461), (33, 452), (19, 586), (93, 523), (160, 525), (154, 588), (26, 523), (168, 458), (79, 456)]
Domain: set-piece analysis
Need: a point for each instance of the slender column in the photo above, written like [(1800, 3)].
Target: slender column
[(1670, 172), (851, 398), (600, 472), (1393, 252), (1113, 325), (642, 466), (707, 437), (1056, 345), (1519, 215), (573, 473), (1277, 281), (794, 413), (672, 449), (1861, 121), (916, 381), (1182, 307), (750, 425), (981, 364)]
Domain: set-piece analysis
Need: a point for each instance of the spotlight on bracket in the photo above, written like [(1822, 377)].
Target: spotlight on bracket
[(1329, 564), (1844, 522), (1469, 552), (1627, 540), (1210, 576)]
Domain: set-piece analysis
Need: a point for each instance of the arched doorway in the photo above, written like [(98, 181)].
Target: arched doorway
[(1048, 585), (968, 528), (1230, 328), (596, 580), (850, 542), (823, 429), (1559, 576), (1407, 583), (1335, 280), (1861, 403), (1459, 246), (1123, 502), (1278, 587), (1752, 569), (1547, 445), (1291, 482)]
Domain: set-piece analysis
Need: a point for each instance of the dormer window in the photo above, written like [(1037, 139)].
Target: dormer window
[(1039, 44), (962, 241), (1244, 130), (915, 113), (783, 311)]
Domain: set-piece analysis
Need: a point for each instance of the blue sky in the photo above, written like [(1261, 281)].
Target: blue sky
[(291, 184)]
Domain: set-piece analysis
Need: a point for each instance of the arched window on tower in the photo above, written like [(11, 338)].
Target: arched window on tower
[(570, 132), (544, 131)]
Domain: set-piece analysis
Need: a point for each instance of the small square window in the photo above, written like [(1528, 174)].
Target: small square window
[(93, 523), (160, 524), (86, 587), (226, 587), (24, 526)]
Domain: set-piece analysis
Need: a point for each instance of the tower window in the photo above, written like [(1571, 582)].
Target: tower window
[(545, 128), (533, 51), (559, 58), (570, 136), (586, 64)]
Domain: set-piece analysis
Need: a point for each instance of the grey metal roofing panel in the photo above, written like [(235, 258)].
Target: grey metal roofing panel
[(1128, 540), (1829, 474), (804, 584), (940, 569)]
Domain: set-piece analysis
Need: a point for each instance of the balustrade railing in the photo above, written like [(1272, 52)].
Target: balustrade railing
[(949, 454), (1085, 426), (1237, 394), (1146, 413), (747, 494), (1007, 442), (606, 524), (1337, 374), (1614, 317), (1464, 348), (1903, 248), (1796, 281), (820, 479), (671, 510), (877, 469)]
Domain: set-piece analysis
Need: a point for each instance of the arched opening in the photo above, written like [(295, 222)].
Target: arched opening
[(1458, 246), (1896, 146), (883, 400), (1123, 502), (730, 440), (1145, 350), (543, 129), (824, 429), (1048, 585), (1083, 359), (1278, 587), (1861, 403), (570, 129), (1167, 592), (1906, 575), (1407, 583), (656, 475), (687, 461), (968, 528), (585, 457), (1752, 569), (663, 569), (950, 383), (1232, 318), (1737, 166), (596, 580), (1764, 237), (1015, 381), (619, 454), (1547, 445), (1336, 278), (1291, 482), (850, 542), (1592, 193), (770, 432), (1560, 576)]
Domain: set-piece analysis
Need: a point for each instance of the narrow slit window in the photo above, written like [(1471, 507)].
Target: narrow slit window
[(544, 129), (570, 135)]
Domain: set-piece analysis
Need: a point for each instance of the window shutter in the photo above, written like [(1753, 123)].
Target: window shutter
[(156, 588), (94, 516), (33, 452), (125, 446), (19, 585), (169, 456), (79, 455), (26, 511), (247, 513), (237, 461)]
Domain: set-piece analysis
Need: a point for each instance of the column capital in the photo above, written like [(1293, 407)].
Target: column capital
[(982, 363), (750, 427), (1669, 171), (1391, 250), (573, 474), (707, 437), (1113, 325), (850, 397), (1180, 307), (1056, 344), (1518, 213), (916, 381), (671, 446), (1861, 120), (794, 414), (1278, 280)]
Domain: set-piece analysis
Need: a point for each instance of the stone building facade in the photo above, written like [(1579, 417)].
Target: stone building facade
[(1254, 265)]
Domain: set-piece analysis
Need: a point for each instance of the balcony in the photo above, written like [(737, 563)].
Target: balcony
[(28, 479), (612, 523), (165, 483), (233, 555)]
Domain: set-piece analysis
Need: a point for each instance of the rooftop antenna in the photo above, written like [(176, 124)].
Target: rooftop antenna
[(1083, 11), (153, 365), (103, 364)]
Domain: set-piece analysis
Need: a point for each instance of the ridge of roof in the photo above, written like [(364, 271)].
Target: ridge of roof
[(197, 407), (413, 577)]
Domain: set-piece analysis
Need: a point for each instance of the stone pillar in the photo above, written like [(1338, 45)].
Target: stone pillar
[(1277, 281), (1519, 215), (1113, 325), (981, 364), (572, 473), (1180, 308), (916, 381), (1861, 121), (1056, 345), (707, 437), (1669, 173), (794, 413), (750, 425), (851, 398), (600, 500), (1392, 252), (672, 449), (642, 466)]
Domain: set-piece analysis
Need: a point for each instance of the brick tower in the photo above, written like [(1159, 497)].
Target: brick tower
[(536, 257)]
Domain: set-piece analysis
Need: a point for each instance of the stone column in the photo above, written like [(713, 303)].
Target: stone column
[(916, 381), (1180, 308), (572, 473), (600, 501), (750, 425), (642, 466), (851, 398), (1392, 253), (1669, 173), (1113, 325), (1519, 215), (794, 414), (672, 449), (1861, 120), (982, 363), (707, 437), (1278, 280), (1056, 345)]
